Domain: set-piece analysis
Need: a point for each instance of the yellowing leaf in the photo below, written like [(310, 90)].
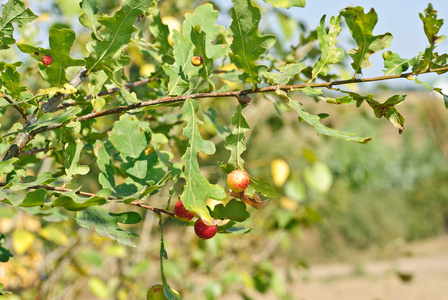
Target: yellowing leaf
[(54, 234), (280, 171), (318, 177), (22, 240)]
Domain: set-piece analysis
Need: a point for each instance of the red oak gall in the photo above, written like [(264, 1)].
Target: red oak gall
[(203, 230), (196, 61), (238, 180), (182, 213)]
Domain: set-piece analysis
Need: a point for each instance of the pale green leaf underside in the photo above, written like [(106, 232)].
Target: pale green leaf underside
[(327, 43), (286, 3), (106, 225), (285, 73), (313, 120), (235, 142)]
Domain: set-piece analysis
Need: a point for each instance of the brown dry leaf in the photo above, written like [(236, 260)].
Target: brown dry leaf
[(253, 201)]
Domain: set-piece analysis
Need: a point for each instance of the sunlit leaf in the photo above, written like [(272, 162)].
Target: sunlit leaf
[(182, 70), (128, 138), (361, 26), (286, 3), (71, 164), (327, 43), (89, 15), (105, 53), (13, 12), (247, 46)]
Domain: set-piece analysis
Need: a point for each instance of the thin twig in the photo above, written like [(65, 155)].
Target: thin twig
[(154, 209), (18, 108), (24, 137), (236, 94), (34, 151)]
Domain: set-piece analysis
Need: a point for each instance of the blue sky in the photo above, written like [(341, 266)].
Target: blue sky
[(399, 17)]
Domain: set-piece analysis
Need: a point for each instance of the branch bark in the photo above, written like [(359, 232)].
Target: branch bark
[(23, 138), (87, 194)]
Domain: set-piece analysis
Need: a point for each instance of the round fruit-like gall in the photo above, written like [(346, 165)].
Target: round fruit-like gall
[(182, 213), (238, 180), (156, 293), (47, 59), (203, 230), (196, 61)]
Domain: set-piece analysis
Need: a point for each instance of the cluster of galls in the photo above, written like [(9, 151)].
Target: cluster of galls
[(237, 181)]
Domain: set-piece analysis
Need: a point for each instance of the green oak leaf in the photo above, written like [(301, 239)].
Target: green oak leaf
[(210, 116), (286, 73), (197, 188), (394, 64), (61, 41), (234, 210), (107, 171), (327, 43), (181, 71), (89, 16), (71, 164), (161, 47), (74, 202), (105, 223), (14, 11), (321, 128), (128, 138), (204, 17), (198, 39), (141, 169), (116, 33), (261, 187), (432, 25), (247, 46), (361, 26), (235, 142), (8, 165), (319, 95), (35, 198), (30, 181), (388, 110), (10, 80), (5, 254)]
